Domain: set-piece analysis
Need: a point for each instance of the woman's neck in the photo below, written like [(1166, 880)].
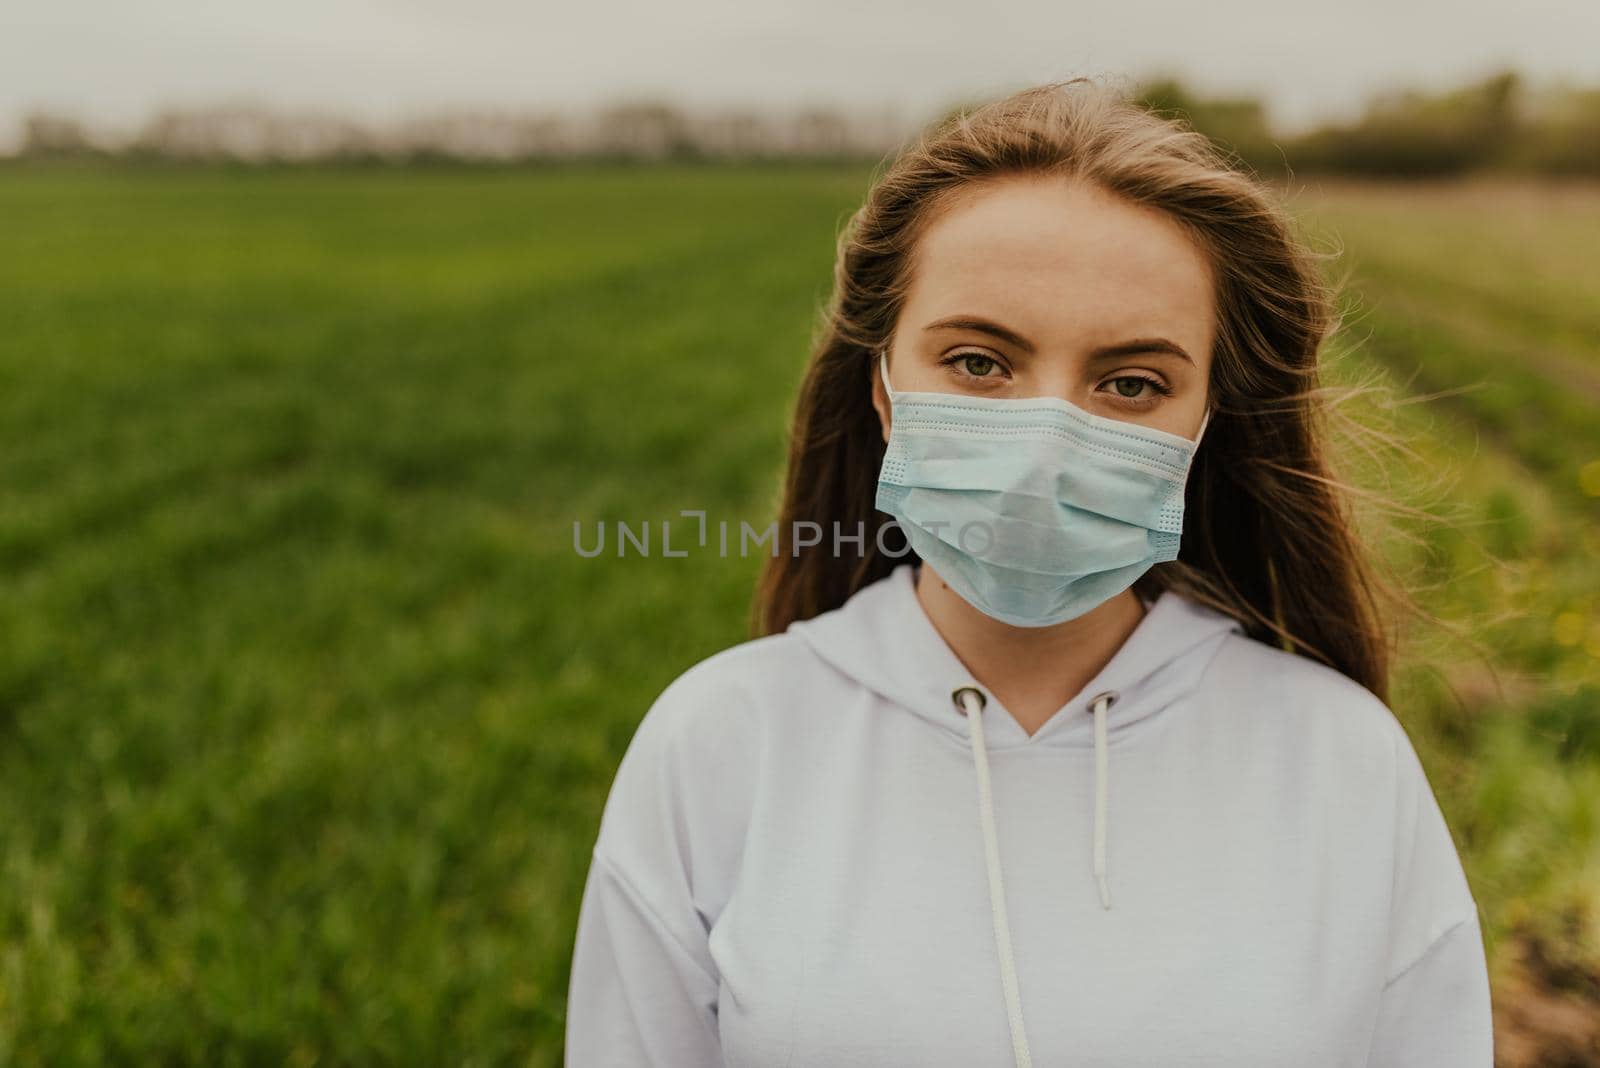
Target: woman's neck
[(1032, 670)]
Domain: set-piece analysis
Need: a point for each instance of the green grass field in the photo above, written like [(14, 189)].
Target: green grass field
[(308, 707)]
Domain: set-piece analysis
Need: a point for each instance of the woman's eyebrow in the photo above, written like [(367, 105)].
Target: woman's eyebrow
[(983, 326), (1141, 345), (1122, 348)]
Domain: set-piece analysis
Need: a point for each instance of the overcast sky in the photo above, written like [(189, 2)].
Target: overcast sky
[(114, 62)]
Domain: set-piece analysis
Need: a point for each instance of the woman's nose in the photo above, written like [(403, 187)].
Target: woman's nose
[(1061, 385)]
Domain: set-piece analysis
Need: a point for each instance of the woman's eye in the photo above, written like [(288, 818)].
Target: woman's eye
[(976, 365), (1128, 386)]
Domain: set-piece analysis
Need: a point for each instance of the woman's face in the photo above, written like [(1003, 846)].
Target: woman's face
[(1043, 286)]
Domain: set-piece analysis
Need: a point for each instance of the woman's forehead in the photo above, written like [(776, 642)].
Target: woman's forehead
[(1054, 251), (1065, 228)]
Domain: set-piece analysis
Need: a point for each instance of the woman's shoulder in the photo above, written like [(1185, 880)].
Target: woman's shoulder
[(1338, 735), (716, 717), (1291, 696), (684, 787), (731, 686)]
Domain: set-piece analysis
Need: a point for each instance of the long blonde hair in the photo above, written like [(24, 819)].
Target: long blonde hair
[(1269, 535)]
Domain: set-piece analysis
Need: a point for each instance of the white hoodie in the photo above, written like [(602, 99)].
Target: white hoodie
[(792, 868)]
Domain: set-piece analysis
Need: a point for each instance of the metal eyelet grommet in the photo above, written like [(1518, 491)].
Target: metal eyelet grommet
[(956, 697), (1111, 697)]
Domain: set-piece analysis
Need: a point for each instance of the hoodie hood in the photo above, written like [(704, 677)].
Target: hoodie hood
[(883, 639)]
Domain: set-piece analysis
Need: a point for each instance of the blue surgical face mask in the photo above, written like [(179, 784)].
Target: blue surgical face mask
[(1034, 510)]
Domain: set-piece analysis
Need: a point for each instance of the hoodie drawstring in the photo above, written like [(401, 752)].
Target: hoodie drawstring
[(1101, 703), (971, 702)]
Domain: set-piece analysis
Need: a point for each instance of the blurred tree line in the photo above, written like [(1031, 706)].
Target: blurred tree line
[(1498, 123), (629, 129)]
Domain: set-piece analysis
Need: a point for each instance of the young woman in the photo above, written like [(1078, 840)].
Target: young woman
[(1067, 742)]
